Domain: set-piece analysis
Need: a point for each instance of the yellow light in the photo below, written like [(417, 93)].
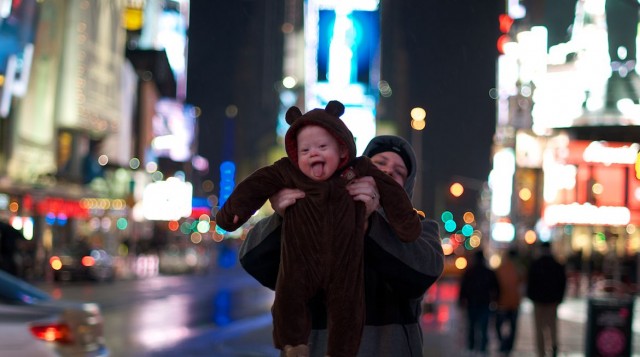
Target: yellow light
[(597, 188), (530, 237), (461, 263), (456, 189), (418, 114), (468, 217), (447, 248), (13, 207), (132, 18), (525, 194), (418, 124)]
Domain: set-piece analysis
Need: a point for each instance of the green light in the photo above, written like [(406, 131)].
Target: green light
[(467, 230), (122, 223), (450, 225), (446, 216)]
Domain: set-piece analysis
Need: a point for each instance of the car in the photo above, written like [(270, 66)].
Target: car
[(82, 263), (34, 324)]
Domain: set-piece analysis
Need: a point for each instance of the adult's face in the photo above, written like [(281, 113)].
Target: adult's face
[(392, 164)]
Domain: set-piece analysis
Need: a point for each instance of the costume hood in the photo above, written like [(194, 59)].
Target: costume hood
[(400, 146), (327, 118)]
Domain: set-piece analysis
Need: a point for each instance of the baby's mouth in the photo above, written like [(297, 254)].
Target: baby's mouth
[(317, 169)]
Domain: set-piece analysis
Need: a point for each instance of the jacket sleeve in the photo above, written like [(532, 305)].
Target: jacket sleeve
[(249, 195), (409, 268), (260, 251)]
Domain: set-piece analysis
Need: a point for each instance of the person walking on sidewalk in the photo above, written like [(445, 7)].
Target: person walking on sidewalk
[(546, 284), (479, 290), (510, 279)]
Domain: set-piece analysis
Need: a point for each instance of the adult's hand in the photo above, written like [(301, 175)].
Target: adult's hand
[(364, 189), (285, 198)]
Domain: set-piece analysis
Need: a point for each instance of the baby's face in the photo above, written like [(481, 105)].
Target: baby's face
[(319, 153)]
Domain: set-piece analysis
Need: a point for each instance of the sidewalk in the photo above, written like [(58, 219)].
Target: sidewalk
[(443, 329)]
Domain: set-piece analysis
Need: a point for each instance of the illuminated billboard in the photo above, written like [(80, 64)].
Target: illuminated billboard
[(591, 182), (18, 20), (576, 65), (173, 128), (342, 61)]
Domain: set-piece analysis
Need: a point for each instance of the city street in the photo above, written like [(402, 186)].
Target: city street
[(225, 313)]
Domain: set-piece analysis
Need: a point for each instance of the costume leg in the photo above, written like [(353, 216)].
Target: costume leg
[(291, 318), (345, 312)]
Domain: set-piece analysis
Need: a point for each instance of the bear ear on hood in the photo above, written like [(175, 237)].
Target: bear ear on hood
[(292, 114), (335, 108)]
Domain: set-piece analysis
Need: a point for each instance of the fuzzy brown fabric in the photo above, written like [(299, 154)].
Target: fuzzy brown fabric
[(323, 235)]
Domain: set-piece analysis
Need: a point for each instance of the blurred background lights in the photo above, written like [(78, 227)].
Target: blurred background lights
[(530, 237), (151, 167), (134, 163), (385, 89), (468, 217), (446, 216), (450, 225), (418, 114), (461, 263), (456, 189), (289, 82), (103, 160), (525, 194), (231, 111)]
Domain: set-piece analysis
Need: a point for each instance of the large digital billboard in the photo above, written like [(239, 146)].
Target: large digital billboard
[(342, 61), (18, 20), (575, 62)]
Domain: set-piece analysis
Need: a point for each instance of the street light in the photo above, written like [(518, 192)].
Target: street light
[(418, 123)]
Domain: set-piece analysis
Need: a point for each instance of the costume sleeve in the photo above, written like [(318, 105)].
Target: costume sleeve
[(397, 206), (409, 268), (260, 251), (250, 194)]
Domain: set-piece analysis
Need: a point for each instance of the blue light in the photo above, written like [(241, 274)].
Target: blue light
[(227, 183), (450, 225)]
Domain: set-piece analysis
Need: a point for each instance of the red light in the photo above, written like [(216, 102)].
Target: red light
[(505, 23), (88, 261), (501, 41), (52, 333)]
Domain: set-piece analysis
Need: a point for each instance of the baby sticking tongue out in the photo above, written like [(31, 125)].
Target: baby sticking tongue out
[(316, 169)]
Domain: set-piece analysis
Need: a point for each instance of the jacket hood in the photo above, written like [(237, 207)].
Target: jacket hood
[(404, 148), (327, 118)]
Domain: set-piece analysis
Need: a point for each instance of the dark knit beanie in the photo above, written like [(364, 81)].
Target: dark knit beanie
[(327, 118), (392, 148)]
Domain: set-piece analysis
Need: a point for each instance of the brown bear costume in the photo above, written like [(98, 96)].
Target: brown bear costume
[(323, 234)]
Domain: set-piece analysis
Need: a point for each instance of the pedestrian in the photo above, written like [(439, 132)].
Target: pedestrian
[(479, 291), (397, 274), (322, 240), (546, 284), (510, 276)]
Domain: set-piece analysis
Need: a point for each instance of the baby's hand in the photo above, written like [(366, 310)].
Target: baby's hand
[(285, 198)]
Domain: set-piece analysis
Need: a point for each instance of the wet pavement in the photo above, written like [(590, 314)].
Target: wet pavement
[(443, 328)]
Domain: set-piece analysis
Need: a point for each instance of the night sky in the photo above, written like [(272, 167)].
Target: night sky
[(449, 54)]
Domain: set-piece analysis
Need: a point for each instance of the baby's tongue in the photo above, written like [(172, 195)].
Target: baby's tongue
[(316, 169)]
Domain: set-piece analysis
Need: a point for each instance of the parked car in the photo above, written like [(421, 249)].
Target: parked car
[(82, 263), (33, 324)]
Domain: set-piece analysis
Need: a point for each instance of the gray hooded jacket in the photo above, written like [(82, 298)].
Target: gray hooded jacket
[(397, 274)]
